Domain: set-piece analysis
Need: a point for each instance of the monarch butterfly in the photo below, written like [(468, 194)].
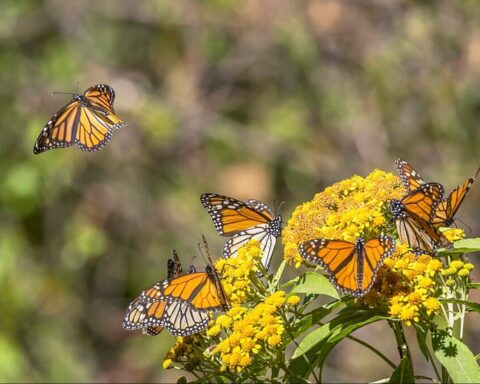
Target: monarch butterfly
[(447, 208), (413, 215), (243, 221), (352, 267), (180, 304), (87, 121), (174, 269)]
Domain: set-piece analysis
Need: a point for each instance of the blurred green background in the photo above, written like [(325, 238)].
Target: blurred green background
[(269, 99)]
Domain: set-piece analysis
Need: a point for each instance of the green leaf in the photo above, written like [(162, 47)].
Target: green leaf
[(422, 341), (310, 319), (279, 273), (312, 282), (456, 357), (315, 347), (474, 285), (470, 305), (464, 246), (403, 373)]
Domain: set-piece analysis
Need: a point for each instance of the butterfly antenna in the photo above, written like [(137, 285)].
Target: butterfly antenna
[(63, 93), (207, 250), (465, 224)]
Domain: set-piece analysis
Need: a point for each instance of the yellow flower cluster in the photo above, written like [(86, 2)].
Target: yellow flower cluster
[(249, 331), (409, 285), (346, 210), (456, 272), (236, 272)]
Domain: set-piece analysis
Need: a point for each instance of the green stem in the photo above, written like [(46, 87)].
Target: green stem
[(292, 337), (402, 344)]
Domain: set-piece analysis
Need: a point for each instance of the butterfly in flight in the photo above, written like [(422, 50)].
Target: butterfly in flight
[(352, 267), (447, 208), (243, 221), (181, 304), (413, 215), (87, 121)]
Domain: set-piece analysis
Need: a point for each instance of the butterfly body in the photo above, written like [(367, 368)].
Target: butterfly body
[(352, 267), (242, 222), (87, 121)]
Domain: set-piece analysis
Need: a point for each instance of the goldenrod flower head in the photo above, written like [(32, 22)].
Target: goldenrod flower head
[(454, 234), (456, 265), (469, 266), (249, 330), (236, 271), (293, 300), (214, 330), (346, 210), (450, 282), (432, 305), (464, 272), (408, 284)]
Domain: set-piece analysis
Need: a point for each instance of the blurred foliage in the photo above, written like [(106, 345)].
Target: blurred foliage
[(258, 99)]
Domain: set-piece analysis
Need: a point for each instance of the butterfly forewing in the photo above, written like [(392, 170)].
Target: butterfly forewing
[(423, 202), (447, 209), (411, 179), (375, 252)]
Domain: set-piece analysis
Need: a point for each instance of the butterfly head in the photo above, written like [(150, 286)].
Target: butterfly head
[(359, 244), (398, 209)]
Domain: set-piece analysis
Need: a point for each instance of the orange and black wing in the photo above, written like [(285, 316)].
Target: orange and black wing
[(231, 216), (410, 177), (374, 253), (94, 129), (423, 202), (338, 258), (174, 267), (59, 132), (447, 209), (421, 236), (199, 289), (178, 317), (101, 95), (352, 268)]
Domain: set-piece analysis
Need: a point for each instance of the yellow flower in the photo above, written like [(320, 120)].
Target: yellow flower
[(464, 272), (469, 266), (450, 282), (224, 321), (293, 300), (167, 363), (236, 272), (456, 264), (214, 330), (432, 305), (274, 340), (454, 234), (347, 209)]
